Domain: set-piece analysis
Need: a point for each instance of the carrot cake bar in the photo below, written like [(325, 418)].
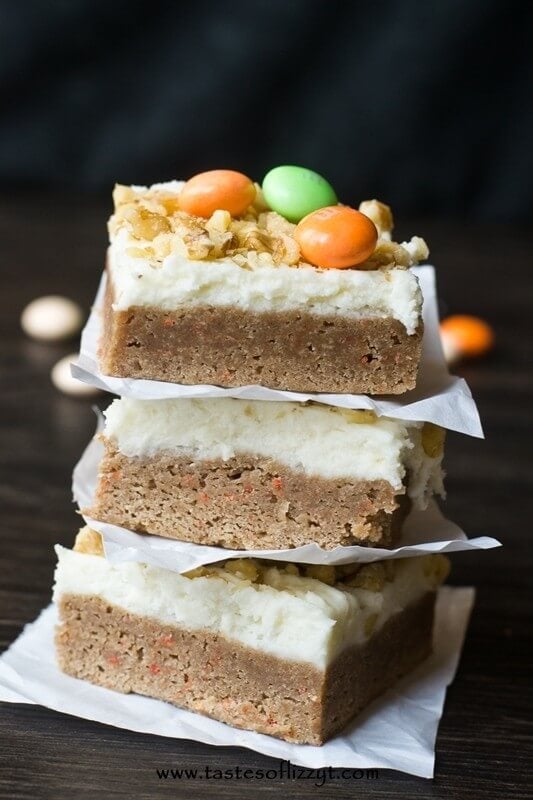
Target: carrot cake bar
[(231, 301), (294, 652), (263, 475)]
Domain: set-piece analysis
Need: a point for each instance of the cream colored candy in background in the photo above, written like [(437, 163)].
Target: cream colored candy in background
[(52, 318), (63, 380)]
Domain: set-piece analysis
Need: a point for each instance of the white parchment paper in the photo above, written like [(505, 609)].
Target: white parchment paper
[(424, 532), (397, 731), (439, 397)]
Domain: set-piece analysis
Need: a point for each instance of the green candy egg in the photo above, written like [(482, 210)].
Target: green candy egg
[(295, 192)]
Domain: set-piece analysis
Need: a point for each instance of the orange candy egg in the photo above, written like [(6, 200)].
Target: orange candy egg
[(336, 237), (466, 335), (223, 189)]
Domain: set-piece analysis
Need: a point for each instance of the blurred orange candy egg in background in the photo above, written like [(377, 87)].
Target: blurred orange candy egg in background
[(223, 189), (336, 237), (465, 336)]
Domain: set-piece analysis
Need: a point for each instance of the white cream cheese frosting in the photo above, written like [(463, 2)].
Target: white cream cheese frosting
[(177, 282), (317, 439), (289, 616)]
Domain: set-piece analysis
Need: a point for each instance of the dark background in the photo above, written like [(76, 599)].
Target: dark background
[(426, 105)]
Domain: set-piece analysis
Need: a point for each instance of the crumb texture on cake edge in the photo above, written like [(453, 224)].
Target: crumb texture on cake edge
[(244, 503)]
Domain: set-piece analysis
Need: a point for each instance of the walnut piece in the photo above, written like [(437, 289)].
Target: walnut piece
[(433, 437), (437, 568), (371, 576), (417, 248), (359, 415), (380, 214), (324, 573), (198, 572), (245, 568), (291, 568), (146, 224), (89, 542), (122, 195)]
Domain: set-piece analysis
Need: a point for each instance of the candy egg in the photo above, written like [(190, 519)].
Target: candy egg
[(464, 335), (217, 189), (337, 236), (52, 318), (294, 192), (64, 381)]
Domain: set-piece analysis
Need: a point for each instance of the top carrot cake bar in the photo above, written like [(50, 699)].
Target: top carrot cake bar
[(212, 292)]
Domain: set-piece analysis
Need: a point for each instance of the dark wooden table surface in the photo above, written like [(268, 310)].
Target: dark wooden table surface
[(51, 244)]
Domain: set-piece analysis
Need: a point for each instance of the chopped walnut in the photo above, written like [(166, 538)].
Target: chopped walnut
[(218, 229), (400, 256), (122, 195), (359, 415), (344, 571), (198, 572), (259, 237), (386, 255), (437, 568), (291, 568), (190, 237), (245, 568), (249, 236), (218, 222), (275, 224), (371, 576), (380, 214), (324, 573), (433, 437), (417, 248), (145, 224), (170, 230), (89, 542)]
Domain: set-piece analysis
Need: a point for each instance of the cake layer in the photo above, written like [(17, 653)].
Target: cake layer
[(230, 301), (244, 503), (232, 683), (260, 475), (257, 646)]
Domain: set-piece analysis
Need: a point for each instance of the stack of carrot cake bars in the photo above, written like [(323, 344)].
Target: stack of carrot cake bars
[(216, 282)]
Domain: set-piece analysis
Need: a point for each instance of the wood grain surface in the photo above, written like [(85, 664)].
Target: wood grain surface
[(55, 244)]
